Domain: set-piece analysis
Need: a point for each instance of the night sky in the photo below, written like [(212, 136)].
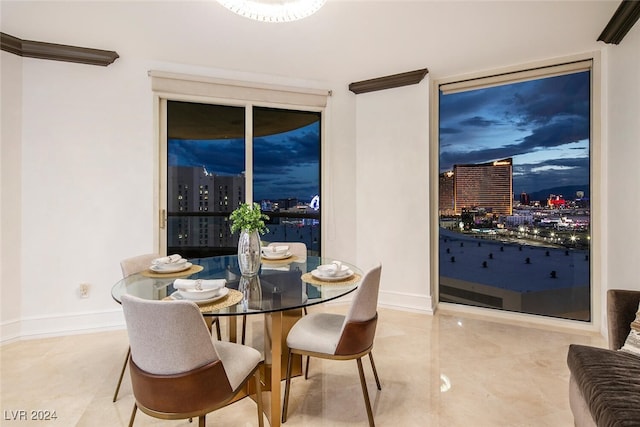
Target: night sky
[(285, 165), (542, 124)]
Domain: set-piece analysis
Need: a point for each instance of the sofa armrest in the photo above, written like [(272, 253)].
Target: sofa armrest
[(621, 310)]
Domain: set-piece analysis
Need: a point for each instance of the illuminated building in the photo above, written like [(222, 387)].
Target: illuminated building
[(446, 194), (555, 201), (195, 190), (485, 186)]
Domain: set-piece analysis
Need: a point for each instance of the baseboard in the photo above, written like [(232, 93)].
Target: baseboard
[(9, 331), (68, 324), (403, 301), (397, 301)]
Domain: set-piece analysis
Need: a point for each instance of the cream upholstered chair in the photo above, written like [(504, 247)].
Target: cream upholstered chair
[(177, 370), (137, 264), (298, 249), (338, 337), (131, 266)]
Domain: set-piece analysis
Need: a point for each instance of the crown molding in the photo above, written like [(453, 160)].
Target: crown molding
[(621, 22), (388, 82), (56, 52)]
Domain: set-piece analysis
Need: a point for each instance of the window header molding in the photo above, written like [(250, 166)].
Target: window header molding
[(508, 77), (185, 84)]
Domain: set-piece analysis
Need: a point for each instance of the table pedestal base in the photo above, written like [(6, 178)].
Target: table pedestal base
[(276, 328)]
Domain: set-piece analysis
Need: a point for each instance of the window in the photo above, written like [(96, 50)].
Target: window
[(206, 146), (251, 142), (515, 221)]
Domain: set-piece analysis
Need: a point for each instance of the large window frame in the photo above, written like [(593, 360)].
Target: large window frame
[(505, 76), (168, 86)]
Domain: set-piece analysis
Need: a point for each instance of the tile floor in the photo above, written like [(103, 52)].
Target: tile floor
[(443, 370)]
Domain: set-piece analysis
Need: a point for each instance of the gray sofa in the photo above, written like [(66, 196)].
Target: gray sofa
[(604, 387)]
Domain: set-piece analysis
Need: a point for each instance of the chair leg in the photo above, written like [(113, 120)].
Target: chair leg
[(202, 420), (244, 328), (365, 392), (217, 320), (306, 368), (124, 367), (287, 386), (133, 414), (259, 398), (375, 372)]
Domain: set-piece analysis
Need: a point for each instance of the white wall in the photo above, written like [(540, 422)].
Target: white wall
[(623, 154), (10, 202), (392, 192), (87, 188), (338, 176)]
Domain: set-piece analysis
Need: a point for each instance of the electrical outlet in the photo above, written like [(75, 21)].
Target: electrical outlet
[(84, 290)]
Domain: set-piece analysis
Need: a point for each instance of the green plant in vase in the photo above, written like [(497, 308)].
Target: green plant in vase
[(249, 221), (248, 218)]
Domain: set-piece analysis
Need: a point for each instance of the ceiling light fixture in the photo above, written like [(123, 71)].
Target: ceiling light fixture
[(273, 10)]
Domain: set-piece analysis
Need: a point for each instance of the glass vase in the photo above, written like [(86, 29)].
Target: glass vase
[(251, 292), (249, 247)]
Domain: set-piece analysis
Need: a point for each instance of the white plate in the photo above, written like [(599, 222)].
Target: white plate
[(276, 256), (337, 270), (170, 268), (223, 293), (320, 276), (199, 294)]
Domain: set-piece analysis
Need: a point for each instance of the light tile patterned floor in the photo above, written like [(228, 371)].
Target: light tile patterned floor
[(443, 370)]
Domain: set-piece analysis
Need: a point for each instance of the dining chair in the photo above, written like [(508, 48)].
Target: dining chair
[(131, 266), (340, 337), (297, 249), (177, 370), (135, 265)]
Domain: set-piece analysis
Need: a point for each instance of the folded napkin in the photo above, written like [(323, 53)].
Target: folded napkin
[(282, 268), (199, 284), (276, 249), (335, 268), (171, 259)]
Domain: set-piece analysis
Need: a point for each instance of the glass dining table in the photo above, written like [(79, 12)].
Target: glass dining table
[(280, 291)]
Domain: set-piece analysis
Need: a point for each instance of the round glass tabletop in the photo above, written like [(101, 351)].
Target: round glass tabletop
[(281, 284)]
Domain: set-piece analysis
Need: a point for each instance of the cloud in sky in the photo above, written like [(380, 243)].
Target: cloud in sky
[(543, 124), (224, 157), (288, 166), (285, 165)]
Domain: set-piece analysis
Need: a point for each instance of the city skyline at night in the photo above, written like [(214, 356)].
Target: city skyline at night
[(543, 124)]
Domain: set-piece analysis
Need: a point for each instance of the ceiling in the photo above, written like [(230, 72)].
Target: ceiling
[(345, 41)]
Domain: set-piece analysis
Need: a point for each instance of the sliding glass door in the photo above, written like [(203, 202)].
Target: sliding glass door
[(215, 161)]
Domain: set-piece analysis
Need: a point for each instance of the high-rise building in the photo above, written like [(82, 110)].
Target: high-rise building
[(486, 186), (194, 190), (446, 194)]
